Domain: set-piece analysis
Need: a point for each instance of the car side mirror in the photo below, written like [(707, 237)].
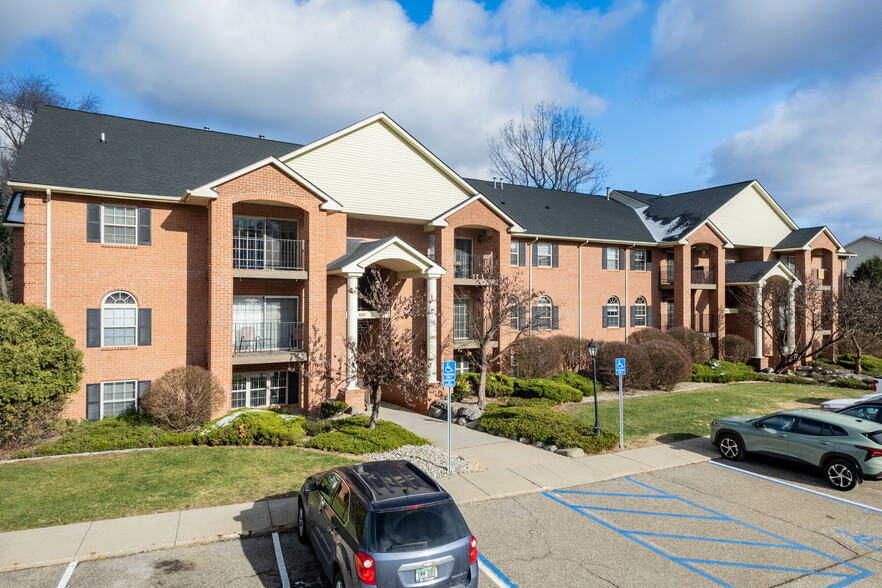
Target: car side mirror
[(309, 487), (756, 424)]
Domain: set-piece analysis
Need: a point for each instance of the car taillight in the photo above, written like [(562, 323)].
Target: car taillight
[(473, 550), (366, 570), (871, 452)]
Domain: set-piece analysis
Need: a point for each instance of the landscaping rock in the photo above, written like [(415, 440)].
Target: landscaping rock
[(513, 437), (525, 440), (480, 429), (552, 448), (571, 452), (435, 412), (461, 421), (473, 413), (472, 425)]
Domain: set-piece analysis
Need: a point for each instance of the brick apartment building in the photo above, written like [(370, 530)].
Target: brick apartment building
[(159, 246)]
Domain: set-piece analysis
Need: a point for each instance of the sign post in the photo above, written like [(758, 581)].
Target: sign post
[(448, 376), (620, 372)]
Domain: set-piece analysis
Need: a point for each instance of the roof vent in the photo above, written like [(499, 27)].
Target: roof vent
[(547, 208), (260, 136), (102, 139), (607, 192), (206, 128)]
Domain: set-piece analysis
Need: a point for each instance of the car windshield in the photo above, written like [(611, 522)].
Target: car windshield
[(415, 528)]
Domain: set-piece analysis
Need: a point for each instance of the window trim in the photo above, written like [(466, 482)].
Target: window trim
[(515, 250), (540, 305), (638, 305), (637, 267), (456, 362), (539, 255), (137, 309), (101, 403), (134, 243), (514, 322), (469, 310), (618, 306), (247, 390), (618, 260)]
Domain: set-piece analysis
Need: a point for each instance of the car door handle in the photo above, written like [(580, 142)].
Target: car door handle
[(825, 443)]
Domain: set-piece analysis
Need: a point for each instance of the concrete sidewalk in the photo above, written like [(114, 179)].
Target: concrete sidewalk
[(508, 468)]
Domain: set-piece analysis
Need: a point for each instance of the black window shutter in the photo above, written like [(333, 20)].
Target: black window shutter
[(554, 257), (93, 402), (142, 387), (622, 259), (143, 226), (555, 321), (145, 326), (522, 253), (623, 319), (633, 261), (633, 314), (93, 327), (648, 316), (93, 223), (648, 260), (522, 317), (535, 250), (293, 387), (603, 259), (603, 318)]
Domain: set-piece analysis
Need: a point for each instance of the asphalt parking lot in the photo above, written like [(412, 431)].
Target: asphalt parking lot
[(698, 525)]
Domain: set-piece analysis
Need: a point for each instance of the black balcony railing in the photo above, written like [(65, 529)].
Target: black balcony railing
[(666, 273), (474, 267), (253, 337), (704, 323), (702, 275), (268, 253)]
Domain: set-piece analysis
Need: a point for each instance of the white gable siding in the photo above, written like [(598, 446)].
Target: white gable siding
[(865, 249), (749, 220), (373, 171)]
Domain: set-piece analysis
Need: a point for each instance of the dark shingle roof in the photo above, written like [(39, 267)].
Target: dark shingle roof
[(748, 272), (680, 214), (566, 214), (799, 238), (639, 196), (63, 148), (356, 249)]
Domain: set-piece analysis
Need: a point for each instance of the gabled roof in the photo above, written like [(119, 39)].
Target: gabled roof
[(634, 198), (752, 272), (63, 149), (441, 219), (802, 238), (865, 237), (544, 212), (361, 253)]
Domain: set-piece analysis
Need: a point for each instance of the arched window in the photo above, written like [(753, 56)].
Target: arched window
[(638, 313), (119, 314), (611, 314), (542, 319)]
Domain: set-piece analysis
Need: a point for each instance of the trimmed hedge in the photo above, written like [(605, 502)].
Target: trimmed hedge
[(352, 435), (468, 383), (853, 383), (736, 349), (329, 409), (577, 381), (254, 427), (670, 363), (722, 372), (868, 362), (543, 425), (514, 401), (545, 388)]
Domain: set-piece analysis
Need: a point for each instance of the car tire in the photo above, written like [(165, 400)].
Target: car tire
[(338, 580), (841, 474), (730, 447), (302, 532)]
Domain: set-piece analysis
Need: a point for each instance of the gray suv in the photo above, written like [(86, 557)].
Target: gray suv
[(386, 523)]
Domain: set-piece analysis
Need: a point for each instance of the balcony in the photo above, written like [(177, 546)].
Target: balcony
[(269, 257), (705, 324), (473, 270), (704, 278), (666, 274), (263, 342)]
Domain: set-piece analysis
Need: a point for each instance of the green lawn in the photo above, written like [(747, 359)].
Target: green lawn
[(671, 416), (74, 489)]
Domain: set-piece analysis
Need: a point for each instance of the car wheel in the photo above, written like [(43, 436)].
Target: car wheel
[(841, 474), (731, 447), (338, 580), (302, 533)]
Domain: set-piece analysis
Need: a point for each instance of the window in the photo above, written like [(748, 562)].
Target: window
[(810, 427), (118, 397), (542, 318), (639, 314), (611, 313), (611, 257), (328, 485), (515, 314), (120, 318), (268, 323), (462, 317), (544, 254), (789, 261), (670, 322), (868, 413), (120, 224), (638, 260), (266, 244), (340, 505), (432, 247), (515, 253), (780, 422), (260, 389), (463, 364)]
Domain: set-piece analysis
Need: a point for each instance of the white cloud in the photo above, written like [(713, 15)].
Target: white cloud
[(720, 45), (299, 70), (818, 154)]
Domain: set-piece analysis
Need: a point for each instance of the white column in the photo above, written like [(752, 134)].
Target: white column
[(791, 318), (432, 328), (351, 330), (758, 332)]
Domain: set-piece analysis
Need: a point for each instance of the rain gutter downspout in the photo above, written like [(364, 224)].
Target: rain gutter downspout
[(48, 248)]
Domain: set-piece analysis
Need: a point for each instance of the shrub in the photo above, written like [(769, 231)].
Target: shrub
[(696, 344), (329, 409), (542, 425), (639, 370), (797, 380), (869, 363), (535, 357), (536, 402), (184, 398), (40, 367), (572, 351), (545, 388), (670, 363), (352, 435), (852, 383), (652, 334), (313, 427), (589, 375), (721, 372), (577, 381), (736, 349), (253, 427), (870, 345), (468, 383)]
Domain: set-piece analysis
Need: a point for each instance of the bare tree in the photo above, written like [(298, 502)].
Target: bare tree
[(813, 312), (385, 355), (551, 147), (860, 315), (19, 98), (501, 304)]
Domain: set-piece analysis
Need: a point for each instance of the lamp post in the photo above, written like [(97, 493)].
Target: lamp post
[(592, 351)]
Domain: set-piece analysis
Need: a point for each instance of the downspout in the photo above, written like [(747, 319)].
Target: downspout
[(530, 323), (48, 248)]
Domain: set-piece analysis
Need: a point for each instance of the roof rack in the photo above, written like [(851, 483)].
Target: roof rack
[(388, 480)]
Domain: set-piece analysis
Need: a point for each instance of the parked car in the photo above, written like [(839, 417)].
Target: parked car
[(840, 403), (846, 449), (386, 523), (868, 411)]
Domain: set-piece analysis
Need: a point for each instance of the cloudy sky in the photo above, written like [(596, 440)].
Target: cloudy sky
[(684, 93)]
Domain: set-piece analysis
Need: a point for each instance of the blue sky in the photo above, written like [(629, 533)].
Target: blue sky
[(684, 93)]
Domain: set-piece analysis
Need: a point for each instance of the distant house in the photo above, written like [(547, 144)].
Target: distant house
[(863, 249)]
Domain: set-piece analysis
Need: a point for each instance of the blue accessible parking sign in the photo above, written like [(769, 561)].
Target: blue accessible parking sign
[(620, 366), (449, 374)]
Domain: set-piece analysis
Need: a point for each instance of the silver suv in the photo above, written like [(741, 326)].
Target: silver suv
[(386, 523)]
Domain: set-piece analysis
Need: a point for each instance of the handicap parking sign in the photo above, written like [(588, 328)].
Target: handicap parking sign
[(449, 374), (620, 366)]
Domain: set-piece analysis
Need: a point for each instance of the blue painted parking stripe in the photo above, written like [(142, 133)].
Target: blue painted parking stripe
[(496, 572), (815, 492), (651, 513), (715, 540), (611, 494), (737, 564)]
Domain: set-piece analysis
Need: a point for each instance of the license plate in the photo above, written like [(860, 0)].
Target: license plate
[(426, 574)]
